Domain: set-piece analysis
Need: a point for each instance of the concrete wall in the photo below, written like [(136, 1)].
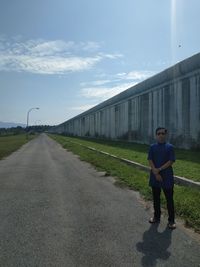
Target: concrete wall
[(170, 99)]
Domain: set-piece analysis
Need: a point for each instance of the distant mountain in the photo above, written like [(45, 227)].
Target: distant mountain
[(10, 124)]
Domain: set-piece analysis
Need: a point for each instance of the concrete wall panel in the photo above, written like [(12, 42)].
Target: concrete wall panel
[(170, 99)]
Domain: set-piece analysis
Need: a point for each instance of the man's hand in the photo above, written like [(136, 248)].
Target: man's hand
[(155, 171), (158, 177)]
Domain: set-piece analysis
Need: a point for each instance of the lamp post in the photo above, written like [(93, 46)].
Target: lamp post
[(28, 118)]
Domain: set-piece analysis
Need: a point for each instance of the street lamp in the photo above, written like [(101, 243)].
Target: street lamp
[(28, 115), (28, 120)]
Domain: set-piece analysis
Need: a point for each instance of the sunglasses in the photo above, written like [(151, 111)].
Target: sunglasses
[(161, 133)]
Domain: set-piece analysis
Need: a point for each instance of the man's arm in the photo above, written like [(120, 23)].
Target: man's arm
[(166, 165), (153, 168), (155, 171)]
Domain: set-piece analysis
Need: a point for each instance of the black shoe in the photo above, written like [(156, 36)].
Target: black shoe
[(154, 220), (171, 225)]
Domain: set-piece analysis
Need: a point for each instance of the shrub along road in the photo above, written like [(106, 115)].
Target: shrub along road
[(58, 211)]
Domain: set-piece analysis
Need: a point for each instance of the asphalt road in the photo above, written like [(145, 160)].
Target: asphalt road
[(56, 210)]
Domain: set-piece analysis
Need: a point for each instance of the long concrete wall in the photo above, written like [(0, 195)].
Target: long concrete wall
[(170, 99)]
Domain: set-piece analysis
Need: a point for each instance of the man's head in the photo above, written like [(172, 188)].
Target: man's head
[(161, 133)]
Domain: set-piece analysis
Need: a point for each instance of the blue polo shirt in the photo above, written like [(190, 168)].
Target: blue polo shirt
[(160, 153)]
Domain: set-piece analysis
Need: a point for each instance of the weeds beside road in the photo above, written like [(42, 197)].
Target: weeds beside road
[(11, 143), (187, 161), (187, 200)]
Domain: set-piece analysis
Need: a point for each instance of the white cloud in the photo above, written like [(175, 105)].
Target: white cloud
[(51, 48), (135, 75), (83, 108), (104, 93), (47, 65), (111, 56), (93, 89), (139, 75), (121, 74), (95, 83), (90, 46), (48, 57)]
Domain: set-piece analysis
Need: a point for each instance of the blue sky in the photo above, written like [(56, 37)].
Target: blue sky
[(65, 56)]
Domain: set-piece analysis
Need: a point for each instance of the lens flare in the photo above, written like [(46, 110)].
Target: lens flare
[(173, 30)]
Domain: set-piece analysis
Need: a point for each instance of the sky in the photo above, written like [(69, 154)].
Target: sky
[(66, 56)]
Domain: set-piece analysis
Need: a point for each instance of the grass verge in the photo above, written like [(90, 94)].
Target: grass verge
[(187, 200), (187, 161), (11, 143)]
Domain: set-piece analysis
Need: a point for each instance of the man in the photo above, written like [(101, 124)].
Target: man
[(161, 157)]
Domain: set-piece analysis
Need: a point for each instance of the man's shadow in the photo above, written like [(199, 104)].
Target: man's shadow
[(154, 245)]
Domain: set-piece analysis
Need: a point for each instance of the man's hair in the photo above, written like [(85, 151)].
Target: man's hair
[(161, 128)]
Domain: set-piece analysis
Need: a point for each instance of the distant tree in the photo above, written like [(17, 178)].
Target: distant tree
[(20, 130)]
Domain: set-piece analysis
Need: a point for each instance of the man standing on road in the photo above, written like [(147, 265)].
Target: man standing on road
[(161, 157)]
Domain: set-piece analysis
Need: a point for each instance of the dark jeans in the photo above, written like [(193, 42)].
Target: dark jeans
[(170, 202)]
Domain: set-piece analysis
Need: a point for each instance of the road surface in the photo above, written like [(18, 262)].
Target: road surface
[(56, 210)]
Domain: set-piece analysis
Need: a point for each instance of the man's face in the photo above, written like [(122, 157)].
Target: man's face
[(161, 136)]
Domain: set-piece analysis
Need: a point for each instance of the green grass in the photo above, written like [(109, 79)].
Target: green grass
[(187, 200), (11, 143), (187, 161)]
